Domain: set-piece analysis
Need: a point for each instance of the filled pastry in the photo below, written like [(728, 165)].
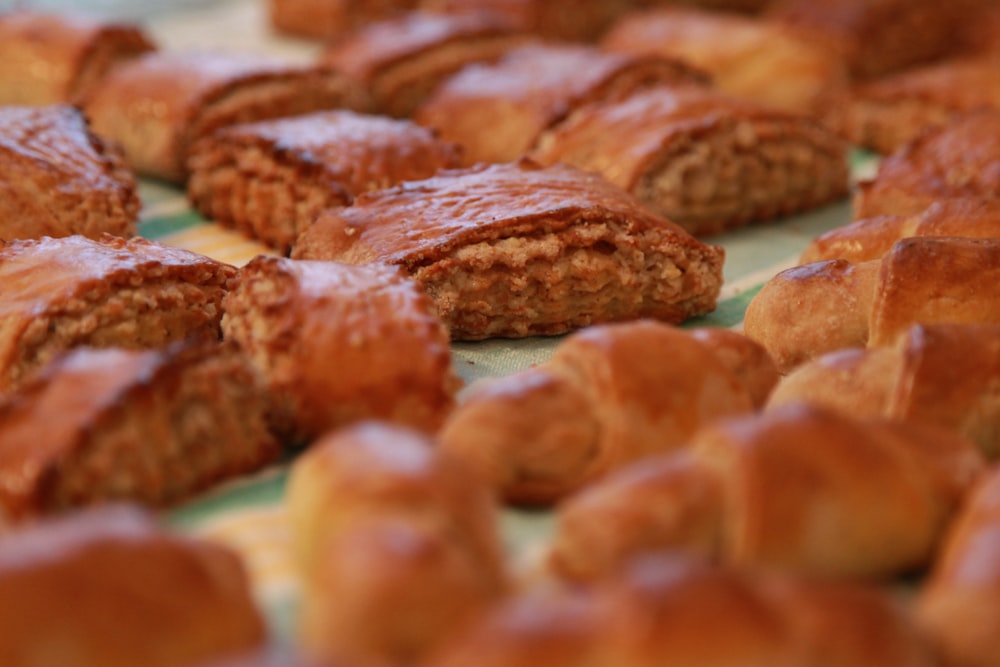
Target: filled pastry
[(148, 426), (513, 250), (340, 343), (497, 111), (157, 105), (400, 61), (57, 178), (326, 19), (61, 293), (48, 58), (270, 179), (554, 20), (110, 587), (706, 161)]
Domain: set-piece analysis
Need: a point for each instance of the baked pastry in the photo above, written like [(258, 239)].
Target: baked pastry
[(555, 20), (815, 308), (326, 19), (959, 159), (796, 488), (400, 61), (747, 57), (272, 178), (48, 58), (497, 111), (61, 293), (609, 395), (339, 343), (706, 161), (110, 588), (57, 178), (518, 250), (149, 426), (944, 374), (157, 105)]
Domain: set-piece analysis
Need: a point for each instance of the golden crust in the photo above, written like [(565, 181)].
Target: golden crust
[(579, 21), (325, 19)]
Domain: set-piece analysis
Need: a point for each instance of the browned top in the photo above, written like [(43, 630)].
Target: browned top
[(960, 85), (577, 20)]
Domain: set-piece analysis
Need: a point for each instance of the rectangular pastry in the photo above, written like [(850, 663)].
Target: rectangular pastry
[(58, 178), (515, 250), (706, 161), (271, 178), (155, 106), (326, 19)]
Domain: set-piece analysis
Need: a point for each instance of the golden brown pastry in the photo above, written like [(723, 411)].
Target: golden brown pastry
[(150, 426), (959, 159), (609, 395), (47, 58), (110, 588), (797, 488), (747, 57), (60, 293), (400, 61), (871, 238), (272, 178), (518, 250), (325, 19), (338, 343), (816, 308), (558, 20), (498, 111), (57, 178), (157, 105), (706, 161)]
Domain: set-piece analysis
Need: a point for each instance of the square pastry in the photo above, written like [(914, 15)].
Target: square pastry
[(515, 249)]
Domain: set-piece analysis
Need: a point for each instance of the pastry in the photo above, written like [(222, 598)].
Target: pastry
[(497, 111), (338, 343), (149, 426), (110, 588), (553, 20), (799, 489), (48, 58), (327, 19), (815, 308), (703, 160), (518, 250), (747, 57), (958, 159), (272, 178), (400, 61), (157, 105), (60, 293), (57, 178), (609, 395)]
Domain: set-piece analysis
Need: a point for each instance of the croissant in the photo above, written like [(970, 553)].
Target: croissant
[(815, 308), (609, 395), (797, 488)]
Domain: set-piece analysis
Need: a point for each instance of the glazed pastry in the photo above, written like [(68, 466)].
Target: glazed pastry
[(60, 293), (609, 395), (555, 20), (816, 308), (747, 57), (498, 111), (110, 588), (149, 426), (271, 179), (959, 159), (944, 374), (52, 58), (797, 489), (338, 343), (703, 160), (157, 105), (517, 250), (57, 178), (400, 61), (326, 19)]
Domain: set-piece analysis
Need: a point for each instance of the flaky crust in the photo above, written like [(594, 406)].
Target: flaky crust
[(271, 179), (497, 111), (57, 178), (324, 19), (491, 243), (157, 105), (52, 58)]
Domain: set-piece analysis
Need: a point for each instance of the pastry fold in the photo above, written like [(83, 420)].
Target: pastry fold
[(515, 250), (58, 178)]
